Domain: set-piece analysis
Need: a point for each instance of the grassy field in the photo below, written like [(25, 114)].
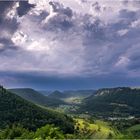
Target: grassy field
[(94, 130)]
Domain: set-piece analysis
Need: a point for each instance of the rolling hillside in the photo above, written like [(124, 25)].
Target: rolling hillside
[(57, 95), (15, 110), (36, 97), (71, 97), (119, 102)]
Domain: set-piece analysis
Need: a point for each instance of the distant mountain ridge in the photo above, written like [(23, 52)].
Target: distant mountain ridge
[(71, 93), (57, 95), (113, 102)]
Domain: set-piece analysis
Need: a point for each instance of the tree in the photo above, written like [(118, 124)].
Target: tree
[(48, 132)]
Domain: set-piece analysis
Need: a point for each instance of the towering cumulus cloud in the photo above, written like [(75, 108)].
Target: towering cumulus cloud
[(63, 40)]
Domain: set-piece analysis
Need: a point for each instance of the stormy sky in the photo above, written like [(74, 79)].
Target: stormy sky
[(70, 44)]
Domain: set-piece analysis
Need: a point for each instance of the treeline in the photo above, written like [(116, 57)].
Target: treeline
[(2, 89), (45, 132)]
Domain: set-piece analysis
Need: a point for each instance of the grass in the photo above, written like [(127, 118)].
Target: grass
[(73, 100), (95, 130)]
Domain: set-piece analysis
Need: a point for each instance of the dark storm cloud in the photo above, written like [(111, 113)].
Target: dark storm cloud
[(94, 30), (125, 20), (43, 15), (135, 65), (128, 15), (37, 80), (24, 8), (63, 19), (40, 80), (57, 7), (6, 44), (134, 57), (9, 23), (96, 6), (58, 23), (4, 6)]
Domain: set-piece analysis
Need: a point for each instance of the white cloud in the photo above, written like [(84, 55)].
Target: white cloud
[(122, 32), (122, 62), (19, 38), (12, 13), (1, 46), (135, 24)]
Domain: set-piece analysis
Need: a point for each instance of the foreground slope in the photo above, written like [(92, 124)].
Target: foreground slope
[(36, 97), (120, 102), (14, 109)]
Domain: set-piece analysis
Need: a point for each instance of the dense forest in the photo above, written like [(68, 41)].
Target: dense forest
[(113, 102), (37, 98), (14, 109)]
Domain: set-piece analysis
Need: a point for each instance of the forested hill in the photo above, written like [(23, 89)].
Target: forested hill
[(14, 109), (36, 97), (113, 102), (57, 95)]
